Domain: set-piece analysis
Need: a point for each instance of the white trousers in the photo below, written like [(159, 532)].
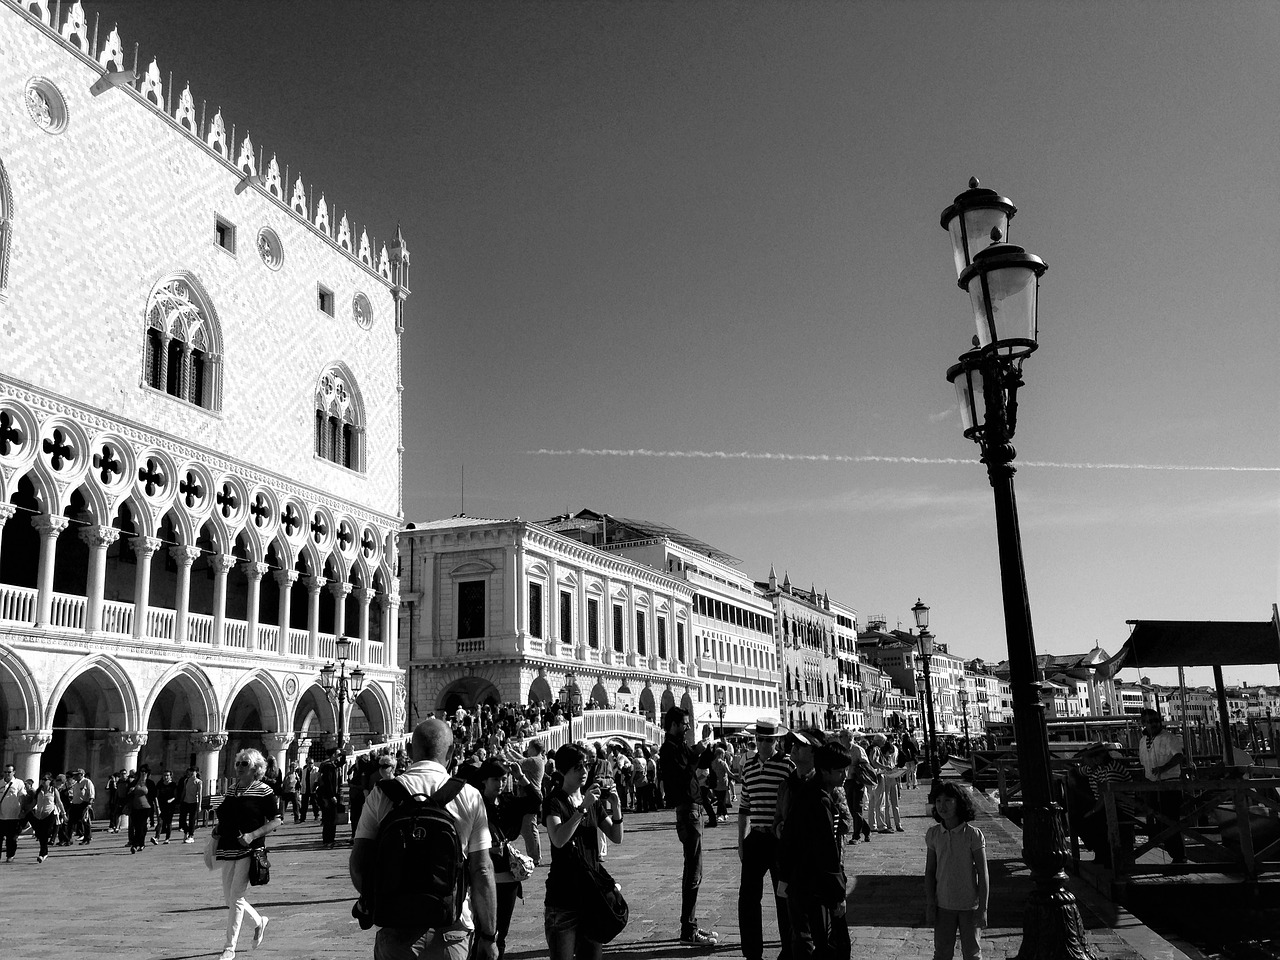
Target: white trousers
[(235, 880)]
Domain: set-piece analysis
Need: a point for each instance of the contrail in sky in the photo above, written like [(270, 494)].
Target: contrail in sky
[(844, 458)]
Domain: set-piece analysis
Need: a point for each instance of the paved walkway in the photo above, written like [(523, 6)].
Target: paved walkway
[(99, 901)]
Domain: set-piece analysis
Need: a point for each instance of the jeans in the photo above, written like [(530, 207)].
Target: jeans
[(288, 800), (394, 944), (309, 803), (138, 827), (1170, 804), (689, 830), (9, 833), (563, 940), (890, 787), (80, 824), (164, 823), (759, 854), (944, 935), (532, 839), (506, 893), (817, 932), (43, 828), (187, 818), (235, 881)]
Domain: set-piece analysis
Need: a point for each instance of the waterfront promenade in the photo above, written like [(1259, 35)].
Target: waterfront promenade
[(99, 901)]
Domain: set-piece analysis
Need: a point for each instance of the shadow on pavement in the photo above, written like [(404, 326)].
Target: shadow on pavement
[(263, 904), (648, 950)]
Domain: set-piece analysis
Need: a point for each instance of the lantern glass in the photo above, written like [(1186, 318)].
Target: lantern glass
[(357, 680), (971, 231), (926, 644), (326, 676), (342, 648), (966, 377), (921, 612), (1003, 283)]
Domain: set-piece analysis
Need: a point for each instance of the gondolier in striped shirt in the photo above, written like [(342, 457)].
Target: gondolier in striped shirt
[(762, 775)]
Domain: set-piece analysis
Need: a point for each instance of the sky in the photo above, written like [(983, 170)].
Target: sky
[(648, 228)]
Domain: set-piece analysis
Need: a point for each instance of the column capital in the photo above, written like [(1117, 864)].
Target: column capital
[(341, 588), (184, 555), (315, 584), (130, 739), (209, 742), (145, 547), (254, 569), (50, 525), (97, 535), (275, 742), (7, 510), (286, 578), (365, 594), (31, 741), (223, 562)]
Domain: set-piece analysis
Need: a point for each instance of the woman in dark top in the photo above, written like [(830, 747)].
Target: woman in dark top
[(245, 817), (137, 805), (573, 815), (506, 812)]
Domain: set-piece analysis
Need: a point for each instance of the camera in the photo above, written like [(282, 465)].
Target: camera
[(362, 914)]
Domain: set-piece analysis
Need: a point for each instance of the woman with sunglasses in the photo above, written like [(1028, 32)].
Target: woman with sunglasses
[(246, 816), (47, 812)]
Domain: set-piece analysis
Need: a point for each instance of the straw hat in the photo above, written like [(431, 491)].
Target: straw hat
[(764, 727)]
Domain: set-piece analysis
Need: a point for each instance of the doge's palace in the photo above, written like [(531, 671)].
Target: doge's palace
[(200, 425)]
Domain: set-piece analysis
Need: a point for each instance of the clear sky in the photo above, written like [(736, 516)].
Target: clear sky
[(713, 227)]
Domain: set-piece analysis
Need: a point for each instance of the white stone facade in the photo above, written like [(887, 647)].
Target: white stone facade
[(498, 611), (199, 454)]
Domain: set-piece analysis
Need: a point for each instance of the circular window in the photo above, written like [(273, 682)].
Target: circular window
[(45, 104), (362, 311), (270, 248)]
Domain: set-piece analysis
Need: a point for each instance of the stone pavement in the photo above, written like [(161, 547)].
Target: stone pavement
[(100, 900)]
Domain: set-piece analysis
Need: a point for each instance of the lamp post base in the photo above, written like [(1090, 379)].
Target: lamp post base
[(1051, 925)]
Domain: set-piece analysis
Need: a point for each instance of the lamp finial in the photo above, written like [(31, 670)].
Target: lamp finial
[(973, 183), (996, 235)]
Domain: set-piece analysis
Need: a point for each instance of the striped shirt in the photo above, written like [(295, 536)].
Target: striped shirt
[(760, 783)]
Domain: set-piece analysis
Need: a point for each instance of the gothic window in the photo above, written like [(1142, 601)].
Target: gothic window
[(339, 419), (181, 356)]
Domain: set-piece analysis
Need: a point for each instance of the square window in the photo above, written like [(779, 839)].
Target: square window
[(224, 234), (324, 299)]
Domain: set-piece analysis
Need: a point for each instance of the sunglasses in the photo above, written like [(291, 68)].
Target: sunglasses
[(243, 763)]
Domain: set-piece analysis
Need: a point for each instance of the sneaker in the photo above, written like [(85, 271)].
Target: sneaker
[(699, 938), (154, 841), (227, 954), (897, 829), (166, 839), (259, 932), (40, 859), (189, 840)]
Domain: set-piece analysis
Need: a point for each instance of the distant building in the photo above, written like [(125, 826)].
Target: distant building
[(806, 631)]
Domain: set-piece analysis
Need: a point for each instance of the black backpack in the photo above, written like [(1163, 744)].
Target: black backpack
[(420, 879)]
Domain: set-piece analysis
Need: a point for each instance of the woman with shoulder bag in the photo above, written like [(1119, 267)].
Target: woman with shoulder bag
[(573, 815), (246, 816), (47, 812)]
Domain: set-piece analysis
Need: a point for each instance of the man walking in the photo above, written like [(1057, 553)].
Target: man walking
[(328, 795), (1160, 752), (80, 795), (189, 804), (762, 774), (13, 808), (679, 771), (534, 767), (431, 749), (310, 780)]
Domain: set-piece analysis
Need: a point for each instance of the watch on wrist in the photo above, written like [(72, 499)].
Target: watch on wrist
[(486, 937)]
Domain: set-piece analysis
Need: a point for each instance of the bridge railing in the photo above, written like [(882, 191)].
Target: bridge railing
[(599, 725)]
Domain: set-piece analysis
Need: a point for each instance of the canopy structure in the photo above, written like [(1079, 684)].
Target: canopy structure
[(1201, 643)]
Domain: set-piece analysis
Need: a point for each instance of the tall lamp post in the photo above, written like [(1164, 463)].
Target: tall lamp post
[(964, 717), (1002, 281), (340, 687), (921, 612), (720, 708), (570, 688)]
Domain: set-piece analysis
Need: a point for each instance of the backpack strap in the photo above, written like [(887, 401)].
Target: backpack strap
[(395, 791), (447, 791)]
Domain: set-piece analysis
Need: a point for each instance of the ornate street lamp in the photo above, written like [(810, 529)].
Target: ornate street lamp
[(340, 687), (570, 688), (921, 612), (964, 715), (720, 708), (1003, 282)]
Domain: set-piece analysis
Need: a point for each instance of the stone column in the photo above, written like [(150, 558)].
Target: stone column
[(7, 510), (27, 749), (341, 589), (222, 564), (48, 526), (314, 586), (277, 745), (184, 556), (126, 747), (253, 571), (364, 595), (391, 631), (286, 579), (163, 361), (144, 549), (99, 538), (208, 746)]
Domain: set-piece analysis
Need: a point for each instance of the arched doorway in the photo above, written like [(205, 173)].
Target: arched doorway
[(368, 721), (540, 691), (468, 693), (647, 705), (183, 707), (97, 701), (600, 696), (19, 700), (669, 701), (256, 709), (315, 719)]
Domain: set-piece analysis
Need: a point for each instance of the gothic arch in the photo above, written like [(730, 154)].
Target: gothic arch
[(376, 707), (20, 692), (182, 341), (470, 692), (270, 699), (114, 683), (340, 419), (196, 685)]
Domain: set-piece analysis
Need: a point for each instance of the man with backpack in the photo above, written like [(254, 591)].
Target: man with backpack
[(427, 907)]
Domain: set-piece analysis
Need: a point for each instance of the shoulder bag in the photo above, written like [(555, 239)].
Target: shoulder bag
[(259, 867)]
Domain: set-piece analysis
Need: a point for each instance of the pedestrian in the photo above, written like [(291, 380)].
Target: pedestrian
[(117, 787), (431, 749), (13, 810), (1104, 763), (720, 778), (812, 864), (640, 779), (679, 771), (310, 781), (166, 805), (505, 812), (138, 809), (61, 783), (328, 793), (575, 814), (292, 791), (46, 813), (890, 788), (764, 771), (534, 767), (955, 875), (909, 754), (189, 795), (247, 815), (79, 812), (1161, 753)]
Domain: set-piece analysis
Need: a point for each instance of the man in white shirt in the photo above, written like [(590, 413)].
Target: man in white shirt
[(431, 749), (13, 797), (81, 795), (1160, 752)]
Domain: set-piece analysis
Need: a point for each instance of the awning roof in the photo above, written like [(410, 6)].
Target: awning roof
[(1197, 643)]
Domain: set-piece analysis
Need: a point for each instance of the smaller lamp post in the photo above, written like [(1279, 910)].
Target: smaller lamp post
[(341, 688), (921, 613), (570, 687), (964, 717), (720, 708)]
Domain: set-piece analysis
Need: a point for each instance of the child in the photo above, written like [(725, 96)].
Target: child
[(955, 875)]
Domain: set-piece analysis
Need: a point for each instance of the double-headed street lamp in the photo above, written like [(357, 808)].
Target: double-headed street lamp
[(921, 612), (1003, 283), (572, 698), (720, 708), (963, 697), (340, 687)]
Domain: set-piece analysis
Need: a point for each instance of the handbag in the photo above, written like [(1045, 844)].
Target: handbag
[(602, 910), (867, 774), (520, 864), (259, 867)]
